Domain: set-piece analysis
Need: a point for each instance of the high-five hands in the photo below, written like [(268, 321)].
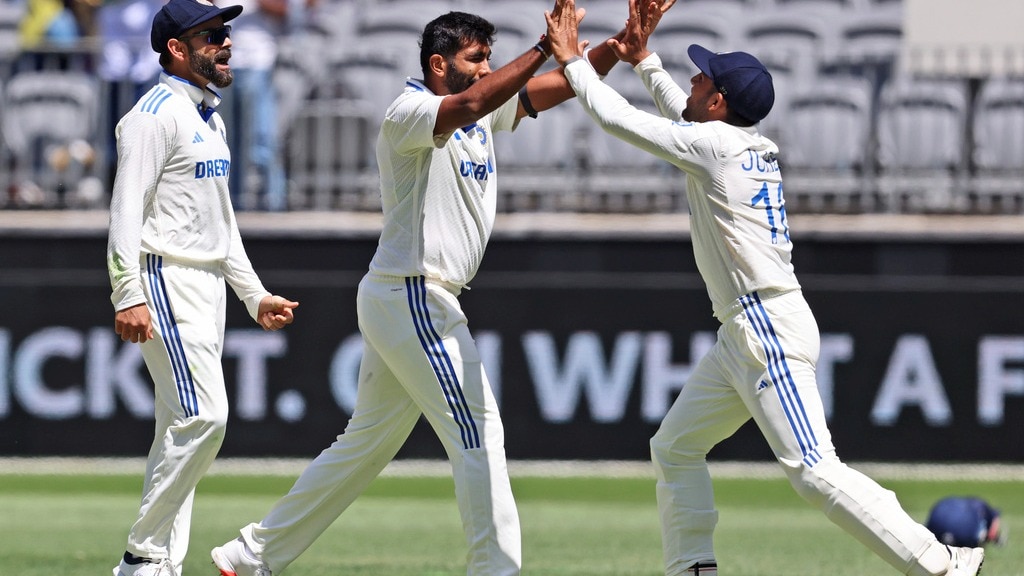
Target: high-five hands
[(644, 16), (563, 31), (629, 46)]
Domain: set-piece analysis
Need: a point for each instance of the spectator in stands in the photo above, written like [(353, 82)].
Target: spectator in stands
[(126, 61), (85, 13), (762, 366), (262, 24), (48, 21), (436, 156), (126, 56)]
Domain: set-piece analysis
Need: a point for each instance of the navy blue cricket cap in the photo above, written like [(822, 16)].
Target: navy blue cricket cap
[(741, 78), (178, 16)]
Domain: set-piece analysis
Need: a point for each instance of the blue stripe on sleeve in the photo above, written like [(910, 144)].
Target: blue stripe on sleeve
[(149, 99), (155, 100), (156, 106)]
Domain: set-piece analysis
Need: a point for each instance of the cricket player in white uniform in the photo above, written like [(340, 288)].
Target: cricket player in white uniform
[(763, 363), (438, 178), (173, 242)]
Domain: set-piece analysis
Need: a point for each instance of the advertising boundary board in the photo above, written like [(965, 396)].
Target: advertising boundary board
[(587, 325)]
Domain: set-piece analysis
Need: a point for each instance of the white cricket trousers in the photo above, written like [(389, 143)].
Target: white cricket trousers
[(418, 358), (186, 304), (762, 366)]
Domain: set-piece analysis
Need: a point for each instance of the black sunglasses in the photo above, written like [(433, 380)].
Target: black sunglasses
[(213, 35)]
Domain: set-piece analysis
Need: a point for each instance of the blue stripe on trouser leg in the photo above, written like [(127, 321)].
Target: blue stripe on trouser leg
[(440, 361), (782, 379), (171, 337)]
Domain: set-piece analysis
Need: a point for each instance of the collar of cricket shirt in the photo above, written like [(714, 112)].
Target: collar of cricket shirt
[(205, 98)]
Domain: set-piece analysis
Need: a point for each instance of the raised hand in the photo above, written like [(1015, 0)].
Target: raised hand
[(654, 11), (563, 31), (644, 16)]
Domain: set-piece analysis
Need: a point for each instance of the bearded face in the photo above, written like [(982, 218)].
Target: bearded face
[(456, 80), (206, 66)]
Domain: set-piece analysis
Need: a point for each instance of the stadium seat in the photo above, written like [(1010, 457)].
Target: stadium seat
[(530, 12), (621, 176), (999, 125), (539, 151), (518, 27), (365, 74), (49, 126), (329, 156), (331, 148), (713, 28), (11, 15), (296, 75), (603, 20), (691, 6), (998, 146), (824, 145), (545, 142), (789, 75), (921, 131), (790, 37), (369, 78), (870, 36), (397, 27), (821, 6), (921, 124), (609, 152), (334, 18)]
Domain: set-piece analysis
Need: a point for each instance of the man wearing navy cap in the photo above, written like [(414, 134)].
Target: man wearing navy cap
[(173, 242), (762, 365)]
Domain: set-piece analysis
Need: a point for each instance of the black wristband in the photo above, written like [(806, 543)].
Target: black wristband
[(524, 99), (543, 46)]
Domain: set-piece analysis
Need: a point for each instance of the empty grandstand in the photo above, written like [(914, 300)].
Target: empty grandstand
[(870, 117)]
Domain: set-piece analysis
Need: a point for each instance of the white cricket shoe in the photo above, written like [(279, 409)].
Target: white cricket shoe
[(703, 569), (158, 568), (236, 559), (965, 561)]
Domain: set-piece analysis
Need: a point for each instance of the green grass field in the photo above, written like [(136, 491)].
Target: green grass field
[(76, 525)]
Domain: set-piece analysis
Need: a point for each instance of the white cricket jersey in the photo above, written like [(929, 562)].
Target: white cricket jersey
[(438, 193), (170, 194), (737, 213)]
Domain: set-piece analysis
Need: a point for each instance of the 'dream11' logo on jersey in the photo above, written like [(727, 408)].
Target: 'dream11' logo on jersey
[(213, 168)]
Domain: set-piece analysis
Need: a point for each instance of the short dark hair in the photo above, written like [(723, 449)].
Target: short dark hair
[(447, 34)]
